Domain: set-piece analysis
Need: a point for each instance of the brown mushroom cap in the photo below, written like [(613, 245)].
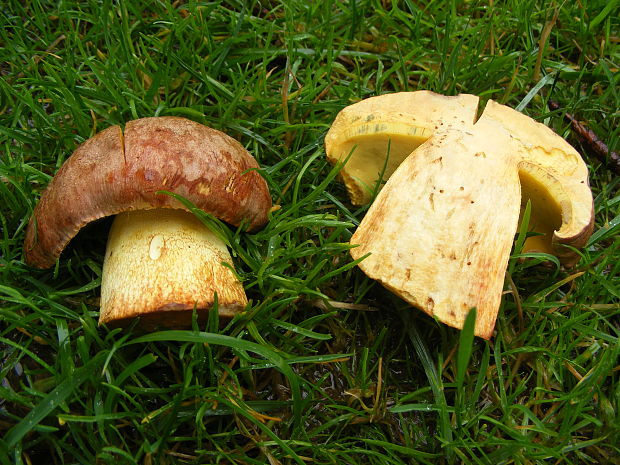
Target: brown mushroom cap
[(118, 171)]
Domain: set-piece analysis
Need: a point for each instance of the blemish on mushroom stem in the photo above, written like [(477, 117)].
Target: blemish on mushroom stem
[(157, 246)]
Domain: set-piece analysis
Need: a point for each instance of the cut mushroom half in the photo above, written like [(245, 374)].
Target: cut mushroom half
[(161, 262), (440, 232)]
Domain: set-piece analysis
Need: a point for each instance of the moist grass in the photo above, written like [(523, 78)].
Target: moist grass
[(325, 366)]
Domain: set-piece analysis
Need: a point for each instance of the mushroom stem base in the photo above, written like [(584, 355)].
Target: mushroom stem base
[(161, 264)]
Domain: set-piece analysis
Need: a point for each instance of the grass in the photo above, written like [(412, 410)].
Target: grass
[(326, 367)]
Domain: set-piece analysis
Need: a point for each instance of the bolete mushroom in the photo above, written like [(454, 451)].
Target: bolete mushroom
[(161, 262), (440, 232)]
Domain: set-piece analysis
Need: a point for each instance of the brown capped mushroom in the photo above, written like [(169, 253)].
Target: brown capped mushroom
[(161, 262), (440, 232)]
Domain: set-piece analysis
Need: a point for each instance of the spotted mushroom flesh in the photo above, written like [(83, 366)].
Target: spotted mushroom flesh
[(440, 231)]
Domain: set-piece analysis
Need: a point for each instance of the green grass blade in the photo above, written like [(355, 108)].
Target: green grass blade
[(53, 400), (278, 360)]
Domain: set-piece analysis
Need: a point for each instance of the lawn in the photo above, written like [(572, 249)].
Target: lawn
[(325, 366)]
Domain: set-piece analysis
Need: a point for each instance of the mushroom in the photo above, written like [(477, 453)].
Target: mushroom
[(161, 262), (440, 232)]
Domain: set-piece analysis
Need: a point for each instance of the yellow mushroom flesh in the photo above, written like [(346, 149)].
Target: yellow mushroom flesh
[(441, 240), (160, 265), (440, 231)]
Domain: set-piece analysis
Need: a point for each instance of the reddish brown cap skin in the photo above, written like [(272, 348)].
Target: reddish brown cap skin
[(118, 170)]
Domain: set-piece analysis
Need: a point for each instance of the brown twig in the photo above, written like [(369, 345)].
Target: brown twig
[(591, 140)]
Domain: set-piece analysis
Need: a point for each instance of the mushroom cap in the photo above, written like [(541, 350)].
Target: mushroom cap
[(122, 170), (558, 178), (376, 134)]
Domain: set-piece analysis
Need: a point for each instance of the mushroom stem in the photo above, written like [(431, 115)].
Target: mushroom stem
[(440, 232), (159, 265)]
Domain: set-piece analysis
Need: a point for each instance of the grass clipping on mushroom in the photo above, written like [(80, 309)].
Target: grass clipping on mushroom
[(440, 232)]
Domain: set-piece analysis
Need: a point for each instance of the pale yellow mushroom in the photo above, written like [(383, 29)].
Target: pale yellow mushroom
[(440, 232)]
